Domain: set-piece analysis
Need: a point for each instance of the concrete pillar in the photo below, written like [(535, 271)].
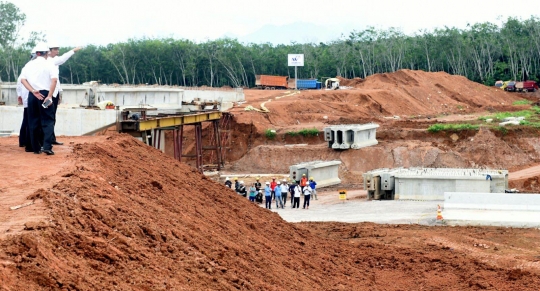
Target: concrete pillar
[(324, 173), (353, 136)]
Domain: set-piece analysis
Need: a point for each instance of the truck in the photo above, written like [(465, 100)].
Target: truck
[(307, 84), (509, 86), (271, 82), (526, 86)]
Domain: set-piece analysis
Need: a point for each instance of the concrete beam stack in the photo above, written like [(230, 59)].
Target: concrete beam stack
[(351, 136), (431, 183), (324, 173)]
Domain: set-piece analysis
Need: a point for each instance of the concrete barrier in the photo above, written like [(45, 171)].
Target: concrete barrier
[(70, 122), (354, 136), (492, 201), (494, 209), (324, 173)]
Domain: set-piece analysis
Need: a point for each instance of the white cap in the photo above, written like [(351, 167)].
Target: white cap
[(41, 47), (267, 183), (241, 182), (53, 45), (227, 179), (278, 182)]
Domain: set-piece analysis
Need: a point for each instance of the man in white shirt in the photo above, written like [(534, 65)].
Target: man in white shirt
[(22, 93), (39, 77), (57, 61)]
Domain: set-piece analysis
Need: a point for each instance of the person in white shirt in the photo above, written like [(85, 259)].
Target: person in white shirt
[(39, 77), (307, 196), (297, 193), (22, 98), (57, 61), (284, 191)]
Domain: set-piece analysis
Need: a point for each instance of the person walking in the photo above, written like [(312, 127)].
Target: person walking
[(307, 196), (54, 50), (273, 185), (252, 192), (236, 185), (313, 186), (291, 191), (268, 195), (277, 192), (40, 78), (297, 192), (284, 191)]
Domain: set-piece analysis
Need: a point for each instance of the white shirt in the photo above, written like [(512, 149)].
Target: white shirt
[(39, 73), (297, 191), (284, 188), (57, 61), (307, 191)]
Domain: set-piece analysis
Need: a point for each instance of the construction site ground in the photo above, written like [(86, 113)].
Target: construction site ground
[(110, 213)]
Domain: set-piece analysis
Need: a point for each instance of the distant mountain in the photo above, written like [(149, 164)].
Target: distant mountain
[(299, 32)]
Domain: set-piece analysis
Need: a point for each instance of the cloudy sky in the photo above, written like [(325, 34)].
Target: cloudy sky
[(100, 22)]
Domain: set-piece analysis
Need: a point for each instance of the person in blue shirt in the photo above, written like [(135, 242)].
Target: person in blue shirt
[(277, 193), (313, 184), (268, 195)]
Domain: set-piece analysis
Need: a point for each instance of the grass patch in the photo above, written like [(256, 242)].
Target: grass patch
[(502, 129), (306, 132), (270, 134), (309, 132), (452, 127), (503, 115), (530, 123), (522, 102)]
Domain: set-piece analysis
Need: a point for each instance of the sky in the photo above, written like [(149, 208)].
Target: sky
[(100, 22)]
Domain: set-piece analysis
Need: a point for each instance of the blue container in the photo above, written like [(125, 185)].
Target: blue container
[(319, 85), (306, 84)]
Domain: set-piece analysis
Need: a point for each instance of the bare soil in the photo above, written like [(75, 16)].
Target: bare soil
[(110, 213)]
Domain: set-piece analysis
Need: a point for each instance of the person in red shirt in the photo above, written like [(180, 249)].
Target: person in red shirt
[(303, 182), (273, 185)]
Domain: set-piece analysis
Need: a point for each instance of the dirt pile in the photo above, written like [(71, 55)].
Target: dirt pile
[(127, 217)]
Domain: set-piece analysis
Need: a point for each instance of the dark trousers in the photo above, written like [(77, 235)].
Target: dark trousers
[(306, 200), (284, 195), (55, 102), (23, 133), (40, 118), (268, 204), (292, 197), (296, 203)]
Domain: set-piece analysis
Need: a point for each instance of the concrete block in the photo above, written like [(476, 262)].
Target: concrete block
[(324, 173), (512, 122), (353, 136)]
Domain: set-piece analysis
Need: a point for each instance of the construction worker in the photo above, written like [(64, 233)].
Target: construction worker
[(313, 186), (284, 191), (54, 49), (273, 185), (268, 195), (40, 78), (228, 182), (277, 192), (258, 184), (307, 196), (303, 182), (297, 192)]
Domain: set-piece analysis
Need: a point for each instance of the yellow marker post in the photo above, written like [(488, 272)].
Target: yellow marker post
[(342, 194)]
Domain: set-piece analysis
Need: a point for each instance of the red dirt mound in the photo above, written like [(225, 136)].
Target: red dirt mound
[(127, 217)]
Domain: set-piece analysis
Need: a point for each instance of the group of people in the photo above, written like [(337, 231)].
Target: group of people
[(39, 91), (277, 191)]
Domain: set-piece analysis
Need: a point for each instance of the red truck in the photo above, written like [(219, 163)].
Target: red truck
[(526, 86), (271, 82)]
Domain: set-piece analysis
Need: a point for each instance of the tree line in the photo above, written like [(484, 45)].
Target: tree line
[(482, 52)]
